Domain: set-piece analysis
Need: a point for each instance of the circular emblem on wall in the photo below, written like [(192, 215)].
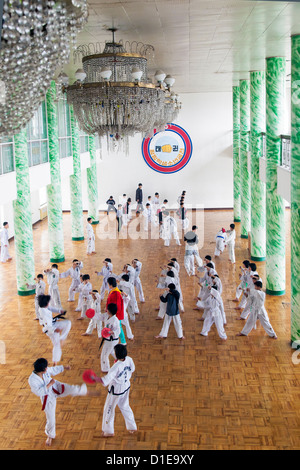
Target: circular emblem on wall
[(168, 151)]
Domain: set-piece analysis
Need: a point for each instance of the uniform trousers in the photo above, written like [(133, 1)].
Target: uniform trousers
[(50, 408), (122, 401)]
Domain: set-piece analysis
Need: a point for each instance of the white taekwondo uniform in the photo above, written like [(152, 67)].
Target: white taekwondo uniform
[(118, 382)]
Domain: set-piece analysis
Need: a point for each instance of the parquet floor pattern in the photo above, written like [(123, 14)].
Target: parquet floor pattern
[(202, 393)]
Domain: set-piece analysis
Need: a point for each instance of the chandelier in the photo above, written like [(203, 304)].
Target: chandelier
[(36, 40), (113, 95)]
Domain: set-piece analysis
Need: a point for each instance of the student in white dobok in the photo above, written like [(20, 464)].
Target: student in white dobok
[(257, 312), (40, 288), (48, 390), (56, 330), (52, 275), (230, 243), (214, 314), (126, 286), (243, 279), (106, 272), (113, 324), (137, 265), (220, 240), (74, 273), (90, 250), (246, 311), (5, 256), (248, 284), (86, 295), (156, 204), (118, 382), (169, 229), (205, 282), (97, 319)]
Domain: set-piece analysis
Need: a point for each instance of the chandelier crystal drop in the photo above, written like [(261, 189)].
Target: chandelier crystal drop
[(115, 97), (36, 41)]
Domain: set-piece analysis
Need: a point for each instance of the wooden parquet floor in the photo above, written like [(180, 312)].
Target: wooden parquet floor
[(202, 393)]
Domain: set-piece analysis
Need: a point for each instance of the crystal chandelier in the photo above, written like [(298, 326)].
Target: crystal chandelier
[(36, 40), (113, 95)]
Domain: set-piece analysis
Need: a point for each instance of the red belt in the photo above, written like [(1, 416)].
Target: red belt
[(55, 391)]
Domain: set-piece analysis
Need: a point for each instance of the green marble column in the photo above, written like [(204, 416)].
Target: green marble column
[(258, 190), (55, 215), (275, 234), (92, 185), (22, 218), (236, 154), (295, 188), (75, 183), (244, 149)]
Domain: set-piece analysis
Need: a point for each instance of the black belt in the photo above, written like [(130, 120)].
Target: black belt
[(54, 319), (112, 390), (106, 339)]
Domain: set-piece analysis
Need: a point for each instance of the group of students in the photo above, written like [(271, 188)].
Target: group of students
[(209, 298), (153, 213), (252, 301), (121, 306), (168, 221)]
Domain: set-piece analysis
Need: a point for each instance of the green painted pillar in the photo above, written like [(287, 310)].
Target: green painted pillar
[(236, 154), (275, 210), (54, 209), (295, 188), (92, 185), (258, 190), (75, 183), (244, 149), (22, 218)]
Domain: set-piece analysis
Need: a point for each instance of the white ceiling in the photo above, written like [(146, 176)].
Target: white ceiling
[(207, 45)]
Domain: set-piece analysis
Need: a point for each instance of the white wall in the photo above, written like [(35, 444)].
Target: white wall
[(207, 178)]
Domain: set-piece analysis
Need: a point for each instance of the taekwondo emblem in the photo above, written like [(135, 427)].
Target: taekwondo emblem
[(168, 151)]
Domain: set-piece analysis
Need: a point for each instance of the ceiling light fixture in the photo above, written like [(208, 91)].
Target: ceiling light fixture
[(117, 99)]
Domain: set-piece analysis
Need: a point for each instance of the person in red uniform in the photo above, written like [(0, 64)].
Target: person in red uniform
[(115, 297)]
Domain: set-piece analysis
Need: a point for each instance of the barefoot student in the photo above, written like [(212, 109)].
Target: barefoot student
[(74, 273), (5, 256), (57, 331), (118, 382), (214, 314), (90, 237), (48, 389), (258, 312)]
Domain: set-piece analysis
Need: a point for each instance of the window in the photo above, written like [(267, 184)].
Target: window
[(285, 159), (97, 142), (7, 163), (64, 129), (37, 137), (84, 142)]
